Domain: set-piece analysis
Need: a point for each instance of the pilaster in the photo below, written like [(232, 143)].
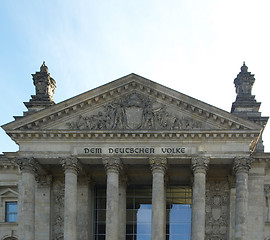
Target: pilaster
[(256, 201), (85, 207), (43, 208), (232, 193), (267, 196), (122, 206)]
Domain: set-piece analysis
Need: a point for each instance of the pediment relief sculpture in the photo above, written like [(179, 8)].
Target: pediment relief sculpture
[(134, 112)]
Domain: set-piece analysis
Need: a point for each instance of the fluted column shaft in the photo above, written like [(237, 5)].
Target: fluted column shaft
[(28, 167), (71, 167), (112, 167), (241, 167), (158, 167), (199, 167), (122, 208)]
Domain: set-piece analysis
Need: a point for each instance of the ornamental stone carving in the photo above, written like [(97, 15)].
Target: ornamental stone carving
[(58, 194), (44, 83), (112, 164), (242, 164), (71, 165), (27, 165), (217, 203), (200, 164), (158, 164), (134, 112)]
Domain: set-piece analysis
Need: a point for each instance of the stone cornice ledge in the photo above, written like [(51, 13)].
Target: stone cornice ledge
[(158, 134)]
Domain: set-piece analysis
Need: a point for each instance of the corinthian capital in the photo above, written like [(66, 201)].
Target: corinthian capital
[(71, 165), (200, 164), (158, 164), (27, 165), (242, 164), (113, 164)]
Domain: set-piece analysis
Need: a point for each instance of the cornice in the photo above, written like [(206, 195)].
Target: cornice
[(120, 87), (18, 135)]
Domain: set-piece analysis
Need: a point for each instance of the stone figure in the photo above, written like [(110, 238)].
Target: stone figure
[(134, 112)]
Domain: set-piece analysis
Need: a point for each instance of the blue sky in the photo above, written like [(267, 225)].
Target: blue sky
[(195, 47)]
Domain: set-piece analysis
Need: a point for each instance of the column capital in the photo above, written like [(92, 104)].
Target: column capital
[(71, 165), (200, 164), (112, 164), (158, 164), (29, 165), (242, 164)]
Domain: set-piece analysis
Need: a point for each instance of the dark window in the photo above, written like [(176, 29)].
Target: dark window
[(11, 211), (139, 213)]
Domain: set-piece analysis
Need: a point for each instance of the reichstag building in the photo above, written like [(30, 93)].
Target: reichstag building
[(135, 160)]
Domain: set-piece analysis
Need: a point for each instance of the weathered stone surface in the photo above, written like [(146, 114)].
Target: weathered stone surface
[(199, 166), (120, 126), (158, 167), (134, 111), (241, 167), (217, 209)]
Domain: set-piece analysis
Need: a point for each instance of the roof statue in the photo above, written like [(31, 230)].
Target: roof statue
[(245, 105), (45, 86)]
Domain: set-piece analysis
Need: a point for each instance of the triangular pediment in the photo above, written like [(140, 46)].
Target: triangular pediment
[(8, 193), (131, 103)]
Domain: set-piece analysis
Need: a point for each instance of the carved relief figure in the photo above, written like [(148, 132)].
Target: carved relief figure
[(119, 121), (134, 112)]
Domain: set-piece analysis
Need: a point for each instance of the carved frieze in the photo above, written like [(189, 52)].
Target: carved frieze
[(217, 202), (58, 209), (134, 112)]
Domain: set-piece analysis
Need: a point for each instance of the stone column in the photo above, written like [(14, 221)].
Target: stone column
[(28, 167), (43, 208), (112, 167), (158, 167), (71, 167), (122, 207), (199, 166), (241, 167)]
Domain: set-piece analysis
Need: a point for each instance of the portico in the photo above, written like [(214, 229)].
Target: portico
[(135, 160), (152, 172)]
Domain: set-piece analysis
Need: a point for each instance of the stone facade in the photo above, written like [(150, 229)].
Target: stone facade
[(78, 160)]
